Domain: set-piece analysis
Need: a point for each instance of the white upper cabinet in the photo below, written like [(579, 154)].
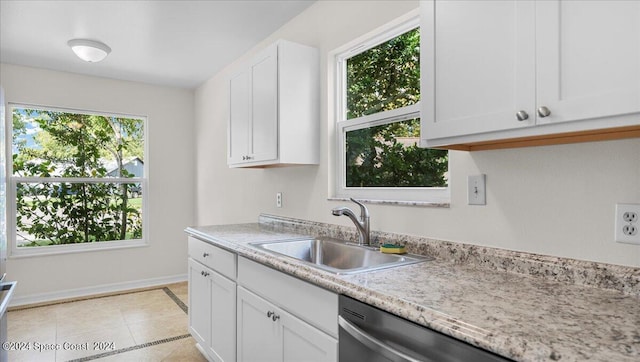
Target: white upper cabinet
[(497, 73), (240, 117), (588, 58), (274, 108), (484, 65)]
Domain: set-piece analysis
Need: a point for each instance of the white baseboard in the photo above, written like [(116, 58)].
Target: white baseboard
[(95, 290)]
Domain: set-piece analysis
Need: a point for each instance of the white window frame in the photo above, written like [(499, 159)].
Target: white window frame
[(12, 181), (415, 195)]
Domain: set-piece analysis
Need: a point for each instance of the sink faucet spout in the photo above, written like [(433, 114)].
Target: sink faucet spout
[(362, 223)]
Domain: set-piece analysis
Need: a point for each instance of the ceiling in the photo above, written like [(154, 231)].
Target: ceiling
[(173, 43)]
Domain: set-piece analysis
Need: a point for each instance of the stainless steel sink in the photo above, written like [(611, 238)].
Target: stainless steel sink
[(337, 256)]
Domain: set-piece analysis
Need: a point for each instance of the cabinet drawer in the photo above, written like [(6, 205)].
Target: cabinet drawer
[(222, 261), (314, 305)]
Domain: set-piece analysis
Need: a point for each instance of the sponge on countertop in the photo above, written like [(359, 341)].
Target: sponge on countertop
[(392, 249)]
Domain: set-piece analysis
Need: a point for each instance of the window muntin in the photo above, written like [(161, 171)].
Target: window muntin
[(378, 127), (77, 180)]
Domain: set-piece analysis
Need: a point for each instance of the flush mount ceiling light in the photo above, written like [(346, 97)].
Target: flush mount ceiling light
[(89, 50)]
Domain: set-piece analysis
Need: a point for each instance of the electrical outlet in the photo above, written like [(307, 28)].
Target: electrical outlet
[(627, 223), (278, 199), (630, 216), (476, 192)]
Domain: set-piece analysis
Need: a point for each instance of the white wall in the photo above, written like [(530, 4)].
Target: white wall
[(170, 189), (556, 200)]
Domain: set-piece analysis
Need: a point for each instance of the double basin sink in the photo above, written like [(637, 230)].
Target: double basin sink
[(337, 256)]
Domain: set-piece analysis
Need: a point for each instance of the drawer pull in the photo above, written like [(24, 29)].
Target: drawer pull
[(205, 255)]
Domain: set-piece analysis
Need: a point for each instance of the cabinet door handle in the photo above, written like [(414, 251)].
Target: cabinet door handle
[(522, 115), (204, 273), (274, 317), (544, 112), (204, 255)]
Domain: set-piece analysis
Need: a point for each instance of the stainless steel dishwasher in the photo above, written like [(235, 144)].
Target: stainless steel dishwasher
[(370, 334)]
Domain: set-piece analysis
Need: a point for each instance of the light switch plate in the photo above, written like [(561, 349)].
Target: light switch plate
[(476, 190)]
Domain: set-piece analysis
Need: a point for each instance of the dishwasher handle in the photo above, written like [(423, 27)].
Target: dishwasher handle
[(375, 344)]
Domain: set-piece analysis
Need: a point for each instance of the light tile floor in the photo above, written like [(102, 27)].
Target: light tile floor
[(147, 325)]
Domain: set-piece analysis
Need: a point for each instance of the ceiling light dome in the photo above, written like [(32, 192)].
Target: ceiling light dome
[(89, 50)]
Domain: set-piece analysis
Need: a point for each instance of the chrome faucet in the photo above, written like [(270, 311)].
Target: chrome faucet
[(362, 224)]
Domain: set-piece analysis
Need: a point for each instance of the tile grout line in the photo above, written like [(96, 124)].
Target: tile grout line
[(129, 349), (175, 299), (167, 291)]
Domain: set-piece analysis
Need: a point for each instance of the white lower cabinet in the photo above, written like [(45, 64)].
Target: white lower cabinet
[(212, 300), (240, 310), (212, 312), (268, 333), (199, 301)]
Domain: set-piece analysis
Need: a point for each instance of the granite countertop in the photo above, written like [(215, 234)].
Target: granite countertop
[(523, 317)]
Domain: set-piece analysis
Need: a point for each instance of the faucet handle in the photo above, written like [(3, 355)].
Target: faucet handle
[(364, 212)]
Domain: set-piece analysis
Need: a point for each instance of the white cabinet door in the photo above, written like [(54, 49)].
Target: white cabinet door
[(588, 59), (264, 132), (302, 342), (253, 118), (274, 108), (223, 318), (522, 69), (477, 66), (212, 312), (199, 304), (268, 333), (258, 334), (239, 117)]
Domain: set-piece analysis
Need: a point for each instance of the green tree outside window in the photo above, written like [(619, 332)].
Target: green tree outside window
[(384, 78), (51, 145)]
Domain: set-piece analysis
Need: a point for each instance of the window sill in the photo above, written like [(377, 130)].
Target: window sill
[(28, 252), (396, 202)]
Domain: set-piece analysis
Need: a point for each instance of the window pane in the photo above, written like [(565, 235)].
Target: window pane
[(64, 144), (385, 77), (53, 213), (51, 144), (388, 156)]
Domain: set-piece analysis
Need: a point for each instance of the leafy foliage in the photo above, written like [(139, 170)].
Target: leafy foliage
[(380, 159), (384, 78), (73, 145)]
